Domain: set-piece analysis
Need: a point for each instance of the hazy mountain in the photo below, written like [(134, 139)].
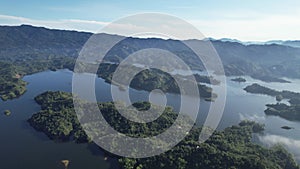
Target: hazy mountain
[(273, 60), (295, 43), (291, 43)]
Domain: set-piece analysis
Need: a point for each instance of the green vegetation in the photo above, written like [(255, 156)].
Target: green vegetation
[(258, 89), (7, 112), (27, 50), (256, 127), (11, 83), (13, 69), (238, 79), (57, 119), (289, 112), (150, 79), (231, 148), (11, 86)]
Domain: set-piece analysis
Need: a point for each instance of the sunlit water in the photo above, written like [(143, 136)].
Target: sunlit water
[(23, 147)]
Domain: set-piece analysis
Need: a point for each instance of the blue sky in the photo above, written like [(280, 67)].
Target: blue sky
[(254, 20)]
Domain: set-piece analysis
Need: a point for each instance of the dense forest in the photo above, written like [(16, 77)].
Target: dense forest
[(230, 148), (57, 118)]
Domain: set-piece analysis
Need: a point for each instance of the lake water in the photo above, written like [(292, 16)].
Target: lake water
[(23, 147)]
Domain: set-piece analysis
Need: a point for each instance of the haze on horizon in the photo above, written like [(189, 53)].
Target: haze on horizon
[(246, 21)]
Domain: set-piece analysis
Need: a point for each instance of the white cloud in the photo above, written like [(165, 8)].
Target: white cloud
[(248, 26), (252, 27), (138, 25), (68, 24), (253, 117), (291, 144)]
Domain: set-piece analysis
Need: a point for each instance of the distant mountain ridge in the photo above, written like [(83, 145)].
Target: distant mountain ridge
[(291, 43), (263, 61)]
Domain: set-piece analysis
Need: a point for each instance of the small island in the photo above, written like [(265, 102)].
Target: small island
[(289, 112), (58, 120), (7, 112), (287, 127), (239, 79)]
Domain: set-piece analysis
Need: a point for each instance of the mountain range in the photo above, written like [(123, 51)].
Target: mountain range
[(269, 61)]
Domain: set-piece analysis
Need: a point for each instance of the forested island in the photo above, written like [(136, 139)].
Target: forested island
[(289, 112), (258, 89), (151, 79), (57, 119), (230, 148)]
